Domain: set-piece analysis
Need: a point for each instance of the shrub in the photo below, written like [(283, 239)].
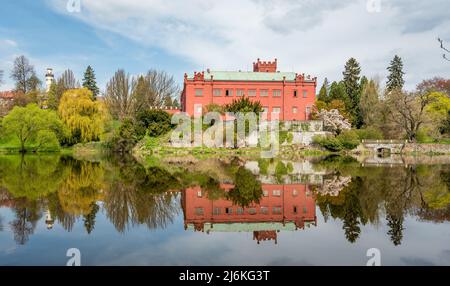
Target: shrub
[(126, 137), (244, 104), (156, 122), (369, 133), (329, 142), (212, 107), (349, 139)]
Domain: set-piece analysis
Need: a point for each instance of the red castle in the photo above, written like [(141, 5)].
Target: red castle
[(289, 94)]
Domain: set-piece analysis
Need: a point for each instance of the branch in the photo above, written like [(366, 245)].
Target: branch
[(442, 45)]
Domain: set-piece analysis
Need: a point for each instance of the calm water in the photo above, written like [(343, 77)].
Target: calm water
[(226, 211)]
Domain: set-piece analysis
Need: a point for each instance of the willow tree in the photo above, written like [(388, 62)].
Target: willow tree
[(83, 116)]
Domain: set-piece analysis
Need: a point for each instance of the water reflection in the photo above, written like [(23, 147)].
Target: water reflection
[(262, 197)]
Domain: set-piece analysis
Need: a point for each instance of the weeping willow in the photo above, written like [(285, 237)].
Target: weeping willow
[(83, 117)]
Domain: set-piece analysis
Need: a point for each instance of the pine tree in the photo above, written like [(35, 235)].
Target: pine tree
[(323, 93), (352, 88), (52, 97), (89, 219), (395, 77), (90, 83)]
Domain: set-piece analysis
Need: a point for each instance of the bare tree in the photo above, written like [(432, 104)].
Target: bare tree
[(118, 96), (67, 80), (407, 111), (446, 51), (163, 86), (24, 75)]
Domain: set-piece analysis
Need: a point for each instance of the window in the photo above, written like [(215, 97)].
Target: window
[(308, 110), (199, 194), (264, 210), (276, 210), (294, 109), (198, 211), (217, 92), (266, 193), (276, 93), (199, 92), (276, 110), (265, 109), (276, 193), (295, 93), (252, 211), (263, 92), (228, 210), (304, 209), (294, 193), (252, 92), (198, 109), (239, 210), (305, 93), (216, 211), (240, 92), (295, 209), (228, 92)]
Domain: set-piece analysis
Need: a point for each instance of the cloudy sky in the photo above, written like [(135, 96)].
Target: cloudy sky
[(307, 36)]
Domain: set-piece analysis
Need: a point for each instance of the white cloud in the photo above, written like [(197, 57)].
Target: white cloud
[(8, 43), (308, 36)]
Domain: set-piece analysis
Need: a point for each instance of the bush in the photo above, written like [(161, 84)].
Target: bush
[(369, 133), (349, 139), (346, 140), (127, 136), (156, 122), (330, 143)]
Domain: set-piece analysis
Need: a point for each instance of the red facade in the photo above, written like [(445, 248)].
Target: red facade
[(279, 204), (290, 95)]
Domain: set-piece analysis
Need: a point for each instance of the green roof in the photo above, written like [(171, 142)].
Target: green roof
[(248, 227), (248, 76)]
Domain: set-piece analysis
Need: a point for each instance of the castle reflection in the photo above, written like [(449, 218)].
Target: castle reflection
[(282, 207)]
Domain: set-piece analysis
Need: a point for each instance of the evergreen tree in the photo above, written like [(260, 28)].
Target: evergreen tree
[(323, 93), (337, 92), (90, 83), (175, 103), (395, 77), (352, 88), (52, 97), (89, 219)]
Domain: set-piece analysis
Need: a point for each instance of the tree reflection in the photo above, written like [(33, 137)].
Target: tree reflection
[(27, 214), (137, 196), (129, 194), (247, 189), (401, 190)]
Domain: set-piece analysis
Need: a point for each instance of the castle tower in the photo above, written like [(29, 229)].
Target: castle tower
[(49, 78), (260, 66), (49, 220)]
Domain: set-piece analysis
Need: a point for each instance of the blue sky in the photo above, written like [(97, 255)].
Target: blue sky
[(178, 36), (52, 39)]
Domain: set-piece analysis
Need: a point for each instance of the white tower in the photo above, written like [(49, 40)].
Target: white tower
[(49, 78)]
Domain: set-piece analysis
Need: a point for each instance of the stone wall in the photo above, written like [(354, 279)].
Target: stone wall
[(427, 148)]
